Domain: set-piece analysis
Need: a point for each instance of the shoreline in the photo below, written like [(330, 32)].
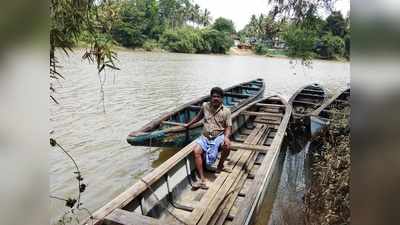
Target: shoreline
[(233, 51)]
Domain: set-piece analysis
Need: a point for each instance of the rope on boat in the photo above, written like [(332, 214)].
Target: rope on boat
[(162, 204)]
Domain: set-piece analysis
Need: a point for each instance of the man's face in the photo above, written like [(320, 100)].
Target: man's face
[(216, 100)]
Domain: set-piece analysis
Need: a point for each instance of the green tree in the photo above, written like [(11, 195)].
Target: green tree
[(224, 25), (298, 10), (183, 40), (217, 41), (331, 46), (336, 24), (205, 18), (300, 42)]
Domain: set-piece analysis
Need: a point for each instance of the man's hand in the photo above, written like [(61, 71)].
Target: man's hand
[(186, 125), (227, 143)]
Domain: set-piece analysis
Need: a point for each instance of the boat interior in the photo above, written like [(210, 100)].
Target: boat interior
[(169, 195), (232, 97), (308, 99)]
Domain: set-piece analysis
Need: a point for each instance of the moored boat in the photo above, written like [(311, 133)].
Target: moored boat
[(307, 99), (165, 195), (168, 131), (334, 107)]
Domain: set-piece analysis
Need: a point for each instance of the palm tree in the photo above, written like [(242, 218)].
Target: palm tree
[(206, 18)]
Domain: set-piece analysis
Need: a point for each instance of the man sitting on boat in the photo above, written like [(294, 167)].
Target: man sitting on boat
[(217, 125)]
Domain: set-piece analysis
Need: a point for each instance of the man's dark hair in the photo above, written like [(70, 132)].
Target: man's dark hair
[(218, 91)]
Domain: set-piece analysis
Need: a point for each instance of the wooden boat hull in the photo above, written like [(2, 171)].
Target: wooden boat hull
[(164, 196), (320, 118), (307, 99), (167, 131)]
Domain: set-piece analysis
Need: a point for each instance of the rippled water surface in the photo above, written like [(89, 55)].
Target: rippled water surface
[(148, 85)]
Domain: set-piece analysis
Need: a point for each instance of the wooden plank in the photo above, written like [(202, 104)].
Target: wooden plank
[(311, 95), (229, 204), (260, 148), (270, 105), (258, 120), (304, 102), (223, 191), (270, 110), (172, 123), (314, 90), (250, 113), (263, 175), (205, 201), (131, 218), (235, 189), (223, 211)]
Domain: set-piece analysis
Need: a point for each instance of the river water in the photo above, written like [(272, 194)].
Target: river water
[(147, 85)]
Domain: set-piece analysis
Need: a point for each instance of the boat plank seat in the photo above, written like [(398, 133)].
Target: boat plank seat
[(304, 102), (172, 123), (250, 113), (124, 217), (259, 148), (272, 122), (313, 90), (311, 95), (269, 110), (270, 105)]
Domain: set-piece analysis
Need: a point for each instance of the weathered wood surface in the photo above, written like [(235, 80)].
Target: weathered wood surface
[(263, 175), (220, 217), (131, 218), (209, 209), (330, 101), (263, 114), (270, 105), (214, 207), (259, 148), (125, 197)]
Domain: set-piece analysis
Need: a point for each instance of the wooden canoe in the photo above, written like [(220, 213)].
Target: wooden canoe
[(334, 106), (307, 99), (165, 195), (167, 130)]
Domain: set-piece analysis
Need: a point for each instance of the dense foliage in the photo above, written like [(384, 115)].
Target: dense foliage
[(224, 25), (297, 27), (174, 25), (327, 200), (192, 40)]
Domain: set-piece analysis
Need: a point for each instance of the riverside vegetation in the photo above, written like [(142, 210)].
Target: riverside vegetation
[(328, 199)]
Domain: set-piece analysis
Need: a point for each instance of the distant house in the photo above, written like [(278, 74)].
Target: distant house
[(244, 46)]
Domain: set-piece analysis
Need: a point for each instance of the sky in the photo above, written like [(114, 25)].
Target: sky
[(240, 11)]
